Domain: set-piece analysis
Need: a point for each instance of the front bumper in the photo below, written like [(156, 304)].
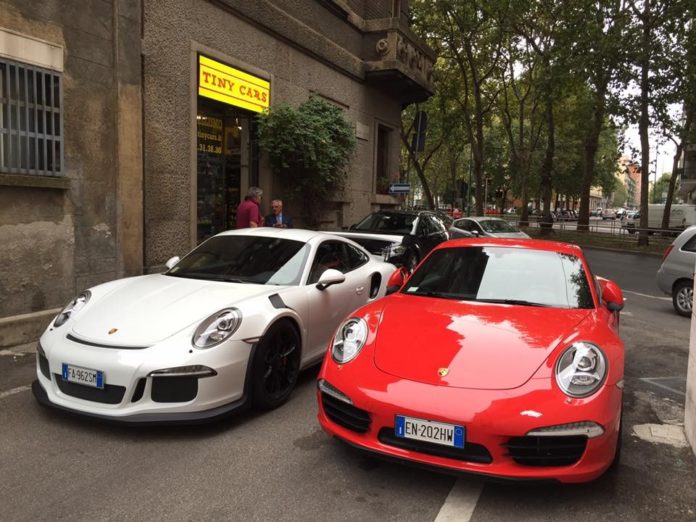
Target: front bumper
[(494, 421), (132, 394)]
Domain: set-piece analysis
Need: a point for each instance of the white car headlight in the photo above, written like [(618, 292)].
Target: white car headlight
[(581, 369), (72, 308), (349, 340), (394, 250), (217, 328)]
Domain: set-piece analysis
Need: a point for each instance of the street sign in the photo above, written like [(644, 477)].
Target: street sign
[(399, 188)]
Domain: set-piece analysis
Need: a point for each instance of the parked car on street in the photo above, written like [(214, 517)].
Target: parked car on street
[(681, 216), (498, 357), (676, 273), (400, 237), (485, 226), (229, 325)]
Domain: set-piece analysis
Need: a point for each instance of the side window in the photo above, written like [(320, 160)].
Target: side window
[(354, 257), (330, 254), (439, 224), (690, 245)]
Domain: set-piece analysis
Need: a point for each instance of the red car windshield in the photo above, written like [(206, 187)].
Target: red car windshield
[(503, 275)]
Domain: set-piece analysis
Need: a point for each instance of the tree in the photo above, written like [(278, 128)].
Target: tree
[(309, 148)]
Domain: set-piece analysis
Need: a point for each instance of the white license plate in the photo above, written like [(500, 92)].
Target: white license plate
[(94, 378), (430, 431)]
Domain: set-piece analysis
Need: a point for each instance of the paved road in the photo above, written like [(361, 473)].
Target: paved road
[(280, 466)]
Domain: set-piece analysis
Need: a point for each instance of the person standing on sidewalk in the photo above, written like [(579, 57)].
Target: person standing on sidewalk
[(277, 218), (249, 211)]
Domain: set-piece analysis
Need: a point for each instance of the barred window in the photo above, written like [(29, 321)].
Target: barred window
[(31, 123)]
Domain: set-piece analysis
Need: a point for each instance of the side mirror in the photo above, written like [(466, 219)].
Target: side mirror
[(172, 261), (330, 277), (352, 227), (396, 280), (611, 294), (475, 233)]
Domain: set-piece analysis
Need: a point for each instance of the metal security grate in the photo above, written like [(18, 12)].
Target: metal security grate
[(31, 122)]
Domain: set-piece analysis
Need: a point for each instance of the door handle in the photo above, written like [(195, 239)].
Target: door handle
[(359, 290)]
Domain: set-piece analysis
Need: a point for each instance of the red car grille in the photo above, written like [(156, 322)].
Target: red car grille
[(345, 414), (546, 451)]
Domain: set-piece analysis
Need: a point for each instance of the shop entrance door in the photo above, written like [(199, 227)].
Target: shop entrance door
[(223, 158)]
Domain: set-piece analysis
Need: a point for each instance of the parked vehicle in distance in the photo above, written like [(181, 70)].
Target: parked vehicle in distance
[(496, 357), (681, 216), (229, 325), (676, 273), (609, 213), (485, 226), (400, 237)]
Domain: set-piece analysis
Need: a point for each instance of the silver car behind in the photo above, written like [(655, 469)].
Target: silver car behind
[(676, 274)]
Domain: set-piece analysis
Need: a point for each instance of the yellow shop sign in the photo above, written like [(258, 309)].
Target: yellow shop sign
[(232, 86)]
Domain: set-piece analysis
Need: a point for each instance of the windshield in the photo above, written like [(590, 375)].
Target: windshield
[(503, 275), (497, 225), (245, 259), (387, 223)]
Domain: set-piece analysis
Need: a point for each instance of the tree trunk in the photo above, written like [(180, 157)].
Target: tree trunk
[(643, 125), (589, 153), (547, 167)]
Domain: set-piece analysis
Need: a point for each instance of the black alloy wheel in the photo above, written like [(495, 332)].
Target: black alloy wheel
[(276, 366), (683, 297)]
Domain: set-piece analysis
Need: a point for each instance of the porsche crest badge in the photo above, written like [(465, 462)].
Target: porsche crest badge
[(442, 372), (113, 331)]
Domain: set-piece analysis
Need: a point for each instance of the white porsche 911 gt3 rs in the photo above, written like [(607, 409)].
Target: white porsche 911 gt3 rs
[(230, 324)]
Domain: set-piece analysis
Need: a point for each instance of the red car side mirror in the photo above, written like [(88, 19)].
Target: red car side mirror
[(396, 280), (611, 294)]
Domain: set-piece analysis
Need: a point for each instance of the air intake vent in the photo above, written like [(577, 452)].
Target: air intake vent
[(345, 414), (546, 451)]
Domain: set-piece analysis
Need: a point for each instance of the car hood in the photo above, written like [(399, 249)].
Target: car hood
[(509, 235), (481, 346), (373, 242), (142, 311)]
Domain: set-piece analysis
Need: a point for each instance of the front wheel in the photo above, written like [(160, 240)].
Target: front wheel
[(683, 297), (275, 366)]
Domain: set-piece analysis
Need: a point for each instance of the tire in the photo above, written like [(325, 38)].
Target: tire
[(275, 366), (683, 297)]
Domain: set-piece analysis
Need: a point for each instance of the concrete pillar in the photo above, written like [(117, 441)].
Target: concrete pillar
[(690, 405)]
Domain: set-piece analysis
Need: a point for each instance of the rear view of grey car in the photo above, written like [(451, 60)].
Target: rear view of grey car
[(676, 274)]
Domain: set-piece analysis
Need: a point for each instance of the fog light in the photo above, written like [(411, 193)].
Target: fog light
[(334, 392), (195, 370), (586, 428)]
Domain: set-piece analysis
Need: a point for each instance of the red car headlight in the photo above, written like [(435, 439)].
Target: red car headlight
[(349, 340), (581, 369)]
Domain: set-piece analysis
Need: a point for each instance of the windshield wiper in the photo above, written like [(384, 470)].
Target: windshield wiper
[(521, 302), (442, 295), (206, 277)]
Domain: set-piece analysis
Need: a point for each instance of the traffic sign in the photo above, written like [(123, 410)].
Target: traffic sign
[(399, 188)]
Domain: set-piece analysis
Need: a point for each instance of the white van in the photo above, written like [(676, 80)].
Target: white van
[(681, 216)]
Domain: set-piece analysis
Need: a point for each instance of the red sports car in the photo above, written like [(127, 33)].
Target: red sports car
[(499, 357)]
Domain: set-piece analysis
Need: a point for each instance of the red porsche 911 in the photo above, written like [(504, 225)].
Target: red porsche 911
[(499, 357)]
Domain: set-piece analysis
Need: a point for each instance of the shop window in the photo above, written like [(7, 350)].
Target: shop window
[(31, 120), (382, 167)]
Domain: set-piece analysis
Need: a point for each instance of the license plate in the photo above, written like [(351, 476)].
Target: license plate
[(94, 378), (430, 431)]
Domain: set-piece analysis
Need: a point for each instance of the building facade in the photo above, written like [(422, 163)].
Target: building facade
[(152, 114)]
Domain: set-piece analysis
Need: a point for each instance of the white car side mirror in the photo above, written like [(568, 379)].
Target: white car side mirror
[(330, 277), (172, 261)]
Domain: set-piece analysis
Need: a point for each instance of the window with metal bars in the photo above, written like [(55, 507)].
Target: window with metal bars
[(31, 120)]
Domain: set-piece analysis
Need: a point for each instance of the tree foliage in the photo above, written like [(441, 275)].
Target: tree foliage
[(309, 149)]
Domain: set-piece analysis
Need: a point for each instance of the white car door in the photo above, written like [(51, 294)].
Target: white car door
[(328, 307)]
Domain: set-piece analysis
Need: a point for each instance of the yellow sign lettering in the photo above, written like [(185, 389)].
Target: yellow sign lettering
[(229, 85)]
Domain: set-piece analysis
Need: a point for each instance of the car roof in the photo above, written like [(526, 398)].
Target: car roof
[(528, 244), (297, 234), (482, 218)]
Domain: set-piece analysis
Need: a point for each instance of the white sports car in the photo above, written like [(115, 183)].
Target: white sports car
[(229, 325)]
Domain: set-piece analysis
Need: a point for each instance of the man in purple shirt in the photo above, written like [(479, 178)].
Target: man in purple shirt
[(249, 211)]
